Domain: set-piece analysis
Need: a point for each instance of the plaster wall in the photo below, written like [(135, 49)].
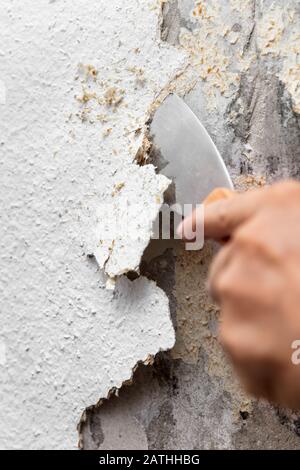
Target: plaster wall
[(243, 59), (79, 80)]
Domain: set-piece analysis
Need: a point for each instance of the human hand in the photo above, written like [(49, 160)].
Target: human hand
[(256, 280)]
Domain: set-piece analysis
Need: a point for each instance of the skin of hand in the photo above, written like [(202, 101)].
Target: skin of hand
[(255, 278)]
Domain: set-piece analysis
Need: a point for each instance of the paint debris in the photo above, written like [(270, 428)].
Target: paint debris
[(107, 132), (113, 97), (87, 71), (215, 63), (117, 188), (139, 75), (245, 182), (221, 65), (86, 96)]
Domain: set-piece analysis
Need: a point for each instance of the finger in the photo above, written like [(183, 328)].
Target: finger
[(255, 368), (218, 266), (221, 218), (186, 229), (189, 227)]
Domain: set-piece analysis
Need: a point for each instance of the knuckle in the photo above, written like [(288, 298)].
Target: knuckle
[(243, 237), (223, 286), (251, 237)]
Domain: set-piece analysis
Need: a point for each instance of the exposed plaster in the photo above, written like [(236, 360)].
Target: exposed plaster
[(215, 43), (189, 398), (197, 320), (216, 38), (279, 37)]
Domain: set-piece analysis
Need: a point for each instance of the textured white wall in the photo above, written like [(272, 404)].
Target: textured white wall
[(65, 340), (243, 84)]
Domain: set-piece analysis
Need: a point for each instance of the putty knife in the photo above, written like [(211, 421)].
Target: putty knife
[(189, 156)]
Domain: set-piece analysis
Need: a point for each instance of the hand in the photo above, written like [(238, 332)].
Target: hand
[(256, 280)]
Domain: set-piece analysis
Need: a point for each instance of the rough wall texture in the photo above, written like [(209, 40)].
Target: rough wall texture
[(80, 78), (243, 82)]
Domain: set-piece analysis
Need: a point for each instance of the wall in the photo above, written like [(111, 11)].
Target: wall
[(80, 78), (240, 82)]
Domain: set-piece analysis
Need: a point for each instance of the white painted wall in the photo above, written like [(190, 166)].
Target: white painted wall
[(65, 340)]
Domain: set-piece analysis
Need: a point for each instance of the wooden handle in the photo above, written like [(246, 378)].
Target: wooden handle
[(218, 194)]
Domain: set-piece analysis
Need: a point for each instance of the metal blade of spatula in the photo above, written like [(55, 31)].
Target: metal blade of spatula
[(188, 157)]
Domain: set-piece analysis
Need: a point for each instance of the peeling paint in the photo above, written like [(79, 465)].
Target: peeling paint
[(215, 47), (80, 93), (132, 213), (217, 43), (72, 127), (110, 98), (220, 39)]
